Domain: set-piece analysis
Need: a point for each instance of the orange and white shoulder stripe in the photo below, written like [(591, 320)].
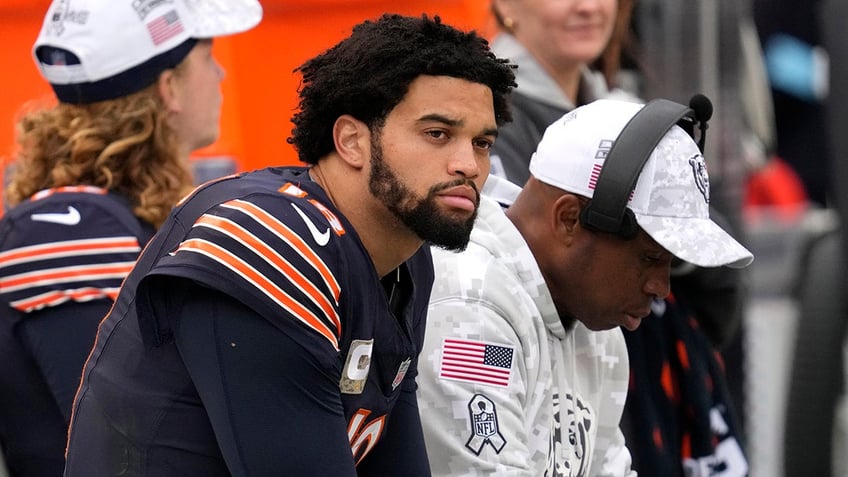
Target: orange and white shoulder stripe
[(69, 248), (287, 271), (65, 189), (57, 297), (61, 280), (59, 276)]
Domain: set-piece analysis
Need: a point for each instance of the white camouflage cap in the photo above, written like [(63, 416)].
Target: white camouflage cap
[(671, 197), (93, 50)]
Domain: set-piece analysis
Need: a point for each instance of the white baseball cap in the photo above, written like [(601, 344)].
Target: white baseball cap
[(672, 194), (94, 50)]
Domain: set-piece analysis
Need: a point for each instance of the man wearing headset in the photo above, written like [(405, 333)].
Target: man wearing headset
[(524, 369)]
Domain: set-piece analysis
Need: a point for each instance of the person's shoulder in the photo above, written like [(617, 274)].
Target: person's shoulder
[(479, 259), (531, 114), (68, 244), (474, 275), (270, 183), (475, 261), (69, 214), (282, 200), (268, 226)]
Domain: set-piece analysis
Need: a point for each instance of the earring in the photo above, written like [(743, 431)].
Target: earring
[(509, 24)]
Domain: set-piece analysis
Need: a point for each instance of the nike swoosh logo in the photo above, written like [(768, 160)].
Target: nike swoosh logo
[(321, 238), (71, 217)]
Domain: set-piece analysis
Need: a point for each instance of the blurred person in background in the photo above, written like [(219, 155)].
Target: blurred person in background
[(138, 90), (570, 53)]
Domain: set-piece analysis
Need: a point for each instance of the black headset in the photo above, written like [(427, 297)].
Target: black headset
[(607, 211)]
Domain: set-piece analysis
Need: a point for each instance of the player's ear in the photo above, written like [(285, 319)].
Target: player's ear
[(565, 217), (166, 87), (352, 139)]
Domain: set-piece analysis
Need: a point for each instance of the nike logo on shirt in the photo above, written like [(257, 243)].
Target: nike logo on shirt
[(320, 238), (71, 217)]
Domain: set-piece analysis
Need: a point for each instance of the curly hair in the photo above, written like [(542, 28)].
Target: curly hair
[(123, 145), (369, 73)]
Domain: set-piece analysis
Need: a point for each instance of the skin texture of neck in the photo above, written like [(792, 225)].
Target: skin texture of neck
[(387, 240)]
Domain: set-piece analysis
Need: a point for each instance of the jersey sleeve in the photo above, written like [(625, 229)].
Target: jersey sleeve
[(279, 257), (471, 389), (274, 408)]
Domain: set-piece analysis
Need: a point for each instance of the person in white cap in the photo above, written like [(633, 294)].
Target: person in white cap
[(138, 90), (524, 370), (273, 324)]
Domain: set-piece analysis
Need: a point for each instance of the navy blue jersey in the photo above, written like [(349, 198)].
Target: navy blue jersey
[(63, 255), (67, 244), (254, 337)]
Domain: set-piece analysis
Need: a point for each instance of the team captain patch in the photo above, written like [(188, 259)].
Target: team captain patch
[(357, 364), (476, 362)]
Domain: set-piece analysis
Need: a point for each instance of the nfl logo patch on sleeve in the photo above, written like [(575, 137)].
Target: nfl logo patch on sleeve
[(484, 425), (476, 362)]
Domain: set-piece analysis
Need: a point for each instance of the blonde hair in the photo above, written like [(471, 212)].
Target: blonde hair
[(123, 145)]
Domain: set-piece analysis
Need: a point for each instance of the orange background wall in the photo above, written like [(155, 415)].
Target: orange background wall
[(260, 87)]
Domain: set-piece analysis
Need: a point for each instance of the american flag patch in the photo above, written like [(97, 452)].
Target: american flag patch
[(596, 173), (601, 154), (165, 27), (476, 362)]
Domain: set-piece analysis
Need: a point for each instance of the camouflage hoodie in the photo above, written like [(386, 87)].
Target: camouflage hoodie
[(504, 388)]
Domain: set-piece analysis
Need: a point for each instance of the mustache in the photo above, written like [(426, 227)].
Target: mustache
[(455, 183)]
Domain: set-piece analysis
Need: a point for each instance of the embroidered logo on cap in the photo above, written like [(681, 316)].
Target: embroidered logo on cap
[(702, 180), (165, 27)]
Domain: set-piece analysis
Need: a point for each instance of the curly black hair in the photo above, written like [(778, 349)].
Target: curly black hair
[(369, 73)]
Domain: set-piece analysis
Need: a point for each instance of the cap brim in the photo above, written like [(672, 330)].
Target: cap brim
[(695, 240), (215, 18)]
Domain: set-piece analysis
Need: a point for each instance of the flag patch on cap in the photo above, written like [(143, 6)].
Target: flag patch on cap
[(476, 362), (165, 27)]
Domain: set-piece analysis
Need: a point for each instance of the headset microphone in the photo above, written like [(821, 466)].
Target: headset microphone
[(702, 107)]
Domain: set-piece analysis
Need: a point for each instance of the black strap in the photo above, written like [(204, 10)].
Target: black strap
[(625, 160)]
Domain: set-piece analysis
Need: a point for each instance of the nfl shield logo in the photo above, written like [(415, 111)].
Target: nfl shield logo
[(404, 366), (484, 425)]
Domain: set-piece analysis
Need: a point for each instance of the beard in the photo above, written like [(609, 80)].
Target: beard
[(421, 215)]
